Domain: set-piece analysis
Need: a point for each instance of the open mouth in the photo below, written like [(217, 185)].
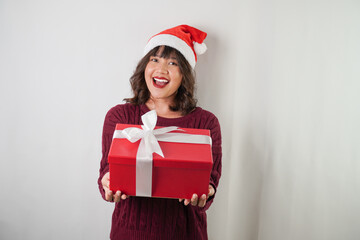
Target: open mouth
[(160, 82)]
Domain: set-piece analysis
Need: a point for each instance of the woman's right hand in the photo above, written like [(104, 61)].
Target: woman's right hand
[(109, 195)]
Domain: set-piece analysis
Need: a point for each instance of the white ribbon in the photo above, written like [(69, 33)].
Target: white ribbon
[(149, 144)]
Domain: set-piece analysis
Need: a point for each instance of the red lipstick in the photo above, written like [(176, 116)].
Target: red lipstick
[(160, 82)]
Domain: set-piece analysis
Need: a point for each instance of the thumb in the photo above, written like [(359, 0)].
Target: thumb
[(211, 191)]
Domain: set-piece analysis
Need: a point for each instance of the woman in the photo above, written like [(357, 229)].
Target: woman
[(163, 81)]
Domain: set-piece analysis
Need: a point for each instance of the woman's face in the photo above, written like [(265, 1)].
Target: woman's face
[(163, 76)]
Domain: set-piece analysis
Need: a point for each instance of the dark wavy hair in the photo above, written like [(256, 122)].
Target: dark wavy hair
[(184, 101)]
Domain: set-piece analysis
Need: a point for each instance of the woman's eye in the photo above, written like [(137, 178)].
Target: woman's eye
[(173, 63), (154, 60)]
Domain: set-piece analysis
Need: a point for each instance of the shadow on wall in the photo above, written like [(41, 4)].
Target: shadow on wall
[(215, 77), (208, 75), (241, 184), (7, 230)]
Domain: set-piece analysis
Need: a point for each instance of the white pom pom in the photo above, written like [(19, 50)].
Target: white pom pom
[(200, 48)]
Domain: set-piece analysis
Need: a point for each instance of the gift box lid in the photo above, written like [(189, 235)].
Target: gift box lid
[(177, 155)]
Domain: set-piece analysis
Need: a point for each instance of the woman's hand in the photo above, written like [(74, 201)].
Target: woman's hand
[(109, 195), (200, 202)]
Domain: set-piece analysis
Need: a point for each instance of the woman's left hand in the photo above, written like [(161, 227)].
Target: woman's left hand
[(200, 202)]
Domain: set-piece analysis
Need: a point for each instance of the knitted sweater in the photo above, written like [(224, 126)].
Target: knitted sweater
[(158, 218)]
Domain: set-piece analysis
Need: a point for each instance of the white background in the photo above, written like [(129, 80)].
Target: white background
[(282, 77)]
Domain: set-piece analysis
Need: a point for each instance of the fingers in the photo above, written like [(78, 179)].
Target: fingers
[(109, 195), (124, 196), (117, 196), (195, 200), (202, 201), (186, 202)]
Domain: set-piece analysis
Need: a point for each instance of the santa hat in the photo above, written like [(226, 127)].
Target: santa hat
[(186, 39)]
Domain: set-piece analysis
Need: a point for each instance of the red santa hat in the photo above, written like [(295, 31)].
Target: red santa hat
[(186, 39)]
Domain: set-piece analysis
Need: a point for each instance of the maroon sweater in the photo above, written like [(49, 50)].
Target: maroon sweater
[(158, 218)]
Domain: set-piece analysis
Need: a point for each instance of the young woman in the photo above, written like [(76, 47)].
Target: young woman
[(163, 81)]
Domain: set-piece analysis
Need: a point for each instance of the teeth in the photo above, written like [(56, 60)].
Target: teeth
[(161, 80)]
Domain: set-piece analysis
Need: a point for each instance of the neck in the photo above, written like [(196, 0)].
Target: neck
[(162, 108)]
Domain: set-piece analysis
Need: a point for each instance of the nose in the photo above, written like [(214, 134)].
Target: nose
[(163, 67)]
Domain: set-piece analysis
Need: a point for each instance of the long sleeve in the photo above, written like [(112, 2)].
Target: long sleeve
[(111, 118), (215, 175)]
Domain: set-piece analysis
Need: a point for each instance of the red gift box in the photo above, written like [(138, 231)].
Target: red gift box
[(184, 170)]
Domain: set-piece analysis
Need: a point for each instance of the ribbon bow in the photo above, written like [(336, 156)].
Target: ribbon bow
[(148, 145)]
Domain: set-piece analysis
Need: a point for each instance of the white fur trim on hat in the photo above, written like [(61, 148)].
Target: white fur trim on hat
[(174, 42), (200, 48)]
